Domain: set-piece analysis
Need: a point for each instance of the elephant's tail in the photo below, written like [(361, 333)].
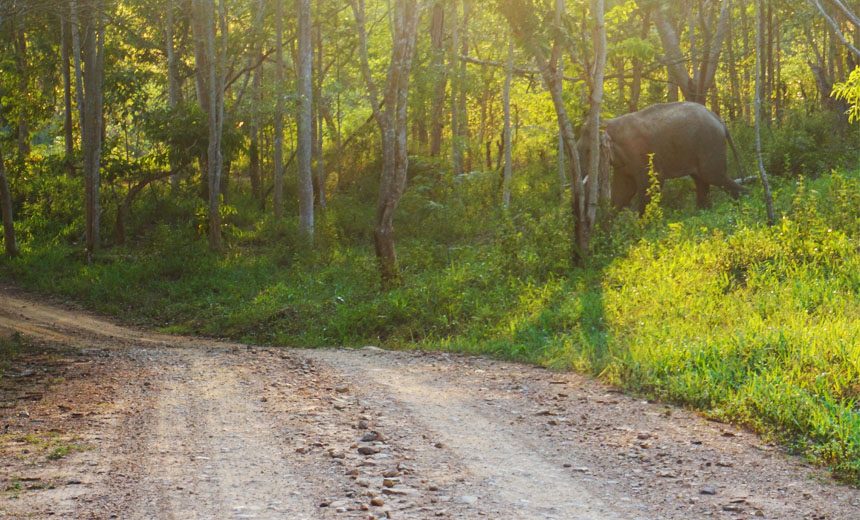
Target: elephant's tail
[(735, 152)]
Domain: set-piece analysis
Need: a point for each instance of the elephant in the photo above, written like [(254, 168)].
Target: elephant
[(686, 139)]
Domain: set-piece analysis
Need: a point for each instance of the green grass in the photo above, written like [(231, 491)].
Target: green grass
[(711, 310)]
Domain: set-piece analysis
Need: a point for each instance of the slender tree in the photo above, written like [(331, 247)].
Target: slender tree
[(91, 132), (390, 116), (759, 52), (305, 117), (506, 136), (211, 96), (278, 138), (6, 208)]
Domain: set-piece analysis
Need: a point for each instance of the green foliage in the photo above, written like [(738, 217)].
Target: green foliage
[(804, 142), (850, 92)]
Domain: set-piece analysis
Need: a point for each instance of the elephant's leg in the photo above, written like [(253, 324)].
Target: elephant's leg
[(623, 190), (702, 189)]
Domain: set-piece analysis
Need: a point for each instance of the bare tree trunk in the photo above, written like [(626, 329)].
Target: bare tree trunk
[(562, 169), (456, 92), (68, 122), (23, 86), (462, 110), (506, 103), (768, 198), (437, 34), (172, 75), (93, 57), (6, 207), (522, 30), (391, 119), (593, 124), (305, 92), (254, 130), (210, 94), (76, 53), (733, 73), (695, 88), (278, 138), (636, 85), (320, 106)]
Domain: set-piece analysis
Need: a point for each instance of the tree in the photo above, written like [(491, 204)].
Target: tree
[(278, 138), (759, 52), (305, 93), (210, 93), (91, 130), (390, 116), (506, 136), (6, 207), (704, 60), (584, 192)]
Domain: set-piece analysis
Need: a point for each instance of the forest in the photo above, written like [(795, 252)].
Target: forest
[(436, 174)]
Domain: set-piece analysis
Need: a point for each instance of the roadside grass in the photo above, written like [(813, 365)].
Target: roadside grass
[(711, 310)]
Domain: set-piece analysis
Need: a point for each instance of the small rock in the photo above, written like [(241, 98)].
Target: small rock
[(467, 499), (707, 491), (389, 482), (668, 474), (735, 508), (439, 445), (264, 399), (362, 424), (371, 436), (399, 491), (23, 413), (643, 435), (393, 472), (368, 450), (376, 501), (341, 389)]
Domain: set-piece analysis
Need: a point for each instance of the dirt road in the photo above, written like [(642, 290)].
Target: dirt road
[(102, 421)]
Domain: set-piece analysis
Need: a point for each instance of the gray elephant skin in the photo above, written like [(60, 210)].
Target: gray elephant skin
[(685, 138)]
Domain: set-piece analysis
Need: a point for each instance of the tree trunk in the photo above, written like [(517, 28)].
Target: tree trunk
[(456, 152), (462, 110), (278, 137), (506, 139), (76, 54), (254, 127), (594, 193), (320, 105), (695, 88), (23, 86), (304, 120), (6, 207), (391, 119), (733, 73), (68, 122), (93, 57), (636, 84), (437, 33), (210, 94), (771, 218), (522, 30), (172, 74)]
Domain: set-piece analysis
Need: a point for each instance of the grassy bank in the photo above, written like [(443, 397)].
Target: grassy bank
[(708, 309)]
